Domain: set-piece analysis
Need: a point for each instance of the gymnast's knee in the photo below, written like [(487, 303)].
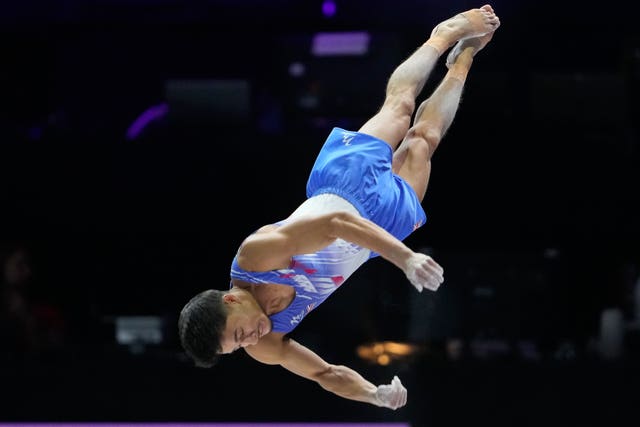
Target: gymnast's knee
[(423, 140)]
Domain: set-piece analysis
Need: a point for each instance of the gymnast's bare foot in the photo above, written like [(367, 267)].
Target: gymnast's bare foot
[(472, 45), (465, 25)]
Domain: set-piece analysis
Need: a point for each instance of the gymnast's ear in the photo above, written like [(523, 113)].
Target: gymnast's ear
[(230, 298)]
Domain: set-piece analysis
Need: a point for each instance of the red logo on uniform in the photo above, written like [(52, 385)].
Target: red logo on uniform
[(296, 264)]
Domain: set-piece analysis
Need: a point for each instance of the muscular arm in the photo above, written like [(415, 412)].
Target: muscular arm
[(273, 249), (275, 349)]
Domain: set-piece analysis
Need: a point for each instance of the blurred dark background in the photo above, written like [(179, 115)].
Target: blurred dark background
[(141, 141)]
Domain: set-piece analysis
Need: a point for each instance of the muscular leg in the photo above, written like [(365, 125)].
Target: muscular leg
[(407, 81), (412, 160)]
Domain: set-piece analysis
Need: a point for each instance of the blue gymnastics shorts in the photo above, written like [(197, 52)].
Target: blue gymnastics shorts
[(357, 167)]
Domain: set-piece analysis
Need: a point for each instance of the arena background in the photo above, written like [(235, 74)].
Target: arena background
[(142, 140)]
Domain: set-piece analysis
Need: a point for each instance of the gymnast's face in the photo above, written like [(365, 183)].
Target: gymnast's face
[(246, 322)]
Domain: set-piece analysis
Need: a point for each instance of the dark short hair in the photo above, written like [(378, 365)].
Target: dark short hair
[(201, 323)]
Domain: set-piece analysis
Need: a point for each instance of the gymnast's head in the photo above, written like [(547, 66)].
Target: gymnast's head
[(218, 322), (200, 326)]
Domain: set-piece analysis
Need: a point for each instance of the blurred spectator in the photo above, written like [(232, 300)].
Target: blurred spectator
[(30, 327)]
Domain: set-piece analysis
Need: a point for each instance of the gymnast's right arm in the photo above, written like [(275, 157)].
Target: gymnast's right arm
[(273, 248), (276, 349)]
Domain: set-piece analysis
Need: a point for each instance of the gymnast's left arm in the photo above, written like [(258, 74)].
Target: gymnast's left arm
[(341, 380)]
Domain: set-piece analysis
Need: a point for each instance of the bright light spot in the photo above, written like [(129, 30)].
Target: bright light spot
[(383, 360), (329, 8), (296, 69)]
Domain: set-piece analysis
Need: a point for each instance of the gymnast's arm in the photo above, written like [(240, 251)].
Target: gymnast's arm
[(272, 248), (276, 349)]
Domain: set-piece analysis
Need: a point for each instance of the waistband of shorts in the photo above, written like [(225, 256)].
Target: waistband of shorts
[(349, 197)]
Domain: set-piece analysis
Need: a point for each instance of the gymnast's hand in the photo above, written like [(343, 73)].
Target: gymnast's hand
[(392, 395), (423, 272)]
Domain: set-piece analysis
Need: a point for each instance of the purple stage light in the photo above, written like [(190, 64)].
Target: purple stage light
[(329, 8), (153, 113), (349, 43)]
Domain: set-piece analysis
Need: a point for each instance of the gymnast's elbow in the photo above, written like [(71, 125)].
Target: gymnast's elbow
[(333, 378)]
